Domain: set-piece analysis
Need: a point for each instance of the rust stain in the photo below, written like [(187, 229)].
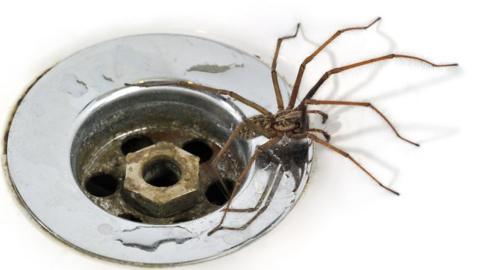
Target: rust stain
[(209, 68)]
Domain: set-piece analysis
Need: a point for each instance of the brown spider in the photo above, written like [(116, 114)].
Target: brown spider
[(291, 121)]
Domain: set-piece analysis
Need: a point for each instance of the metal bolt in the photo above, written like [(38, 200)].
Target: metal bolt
[(162, 180)]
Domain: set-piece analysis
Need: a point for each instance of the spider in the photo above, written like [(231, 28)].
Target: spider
[(291, 120)]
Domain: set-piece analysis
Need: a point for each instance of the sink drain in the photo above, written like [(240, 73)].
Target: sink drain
[(120, 128), (123, 171)]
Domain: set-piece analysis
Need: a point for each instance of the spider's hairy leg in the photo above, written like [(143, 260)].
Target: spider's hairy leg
[(270, 189), (230, 140), (321, 131), (241, 179), (303, 135), (259, 210), (204, 89), (301, 70), (322, 114), (347, 155), (336, 70), (361, 104), (276, 87), (217, 91)]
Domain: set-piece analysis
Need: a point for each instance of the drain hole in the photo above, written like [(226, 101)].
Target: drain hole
[(101, 185), (135, 143), (161, 173), (198, 148), (130, 217), (182, 219), (218, 193)]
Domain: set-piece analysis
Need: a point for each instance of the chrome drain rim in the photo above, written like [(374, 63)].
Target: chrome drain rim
[(43, 127)]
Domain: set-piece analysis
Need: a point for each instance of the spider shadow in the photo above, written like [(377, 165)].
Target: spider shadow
[(439, 132), (391, 45), (291, 155), (334, 113)]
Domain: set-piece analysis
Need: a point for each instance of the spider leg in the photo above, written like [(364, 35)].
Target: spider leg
[(321, 131), (241, 179), (231, 138), (195, 86), (203, 88), (270, 188), (307, 60), (361, 104), (322, 114), (303, 135), (347, 155), (236, 132), (333, 71), (276, 87), (259, 210)]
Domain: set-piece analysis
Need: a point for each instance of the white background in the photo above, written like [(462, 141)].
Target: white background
[(343, 221)]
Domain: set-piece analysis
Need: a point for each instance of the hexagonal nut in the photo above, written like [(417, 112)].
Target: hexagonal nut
[(161, 197)]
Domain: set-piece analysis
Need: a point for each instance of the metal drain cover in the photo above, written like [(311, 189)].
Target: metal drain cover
[(82, 123)]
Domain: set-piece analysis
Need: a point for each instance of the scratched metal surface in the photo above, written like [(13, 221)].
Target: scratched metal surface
[(44, 125)]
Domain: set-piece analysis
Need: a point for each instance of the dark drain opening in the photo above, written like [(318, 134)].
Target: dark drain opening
[(135, 143), (219, 192), (161, 173), (101, 185), (199, 148), (130, 217)]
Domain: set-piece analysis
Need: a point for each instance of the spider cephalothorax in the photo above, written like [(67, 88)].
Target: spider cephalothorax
[(283, 123), (291, 121), (288, 121)]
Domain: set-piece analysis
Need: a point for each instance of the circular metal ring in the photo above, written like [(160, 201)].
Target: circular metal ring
[(42, 130)]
